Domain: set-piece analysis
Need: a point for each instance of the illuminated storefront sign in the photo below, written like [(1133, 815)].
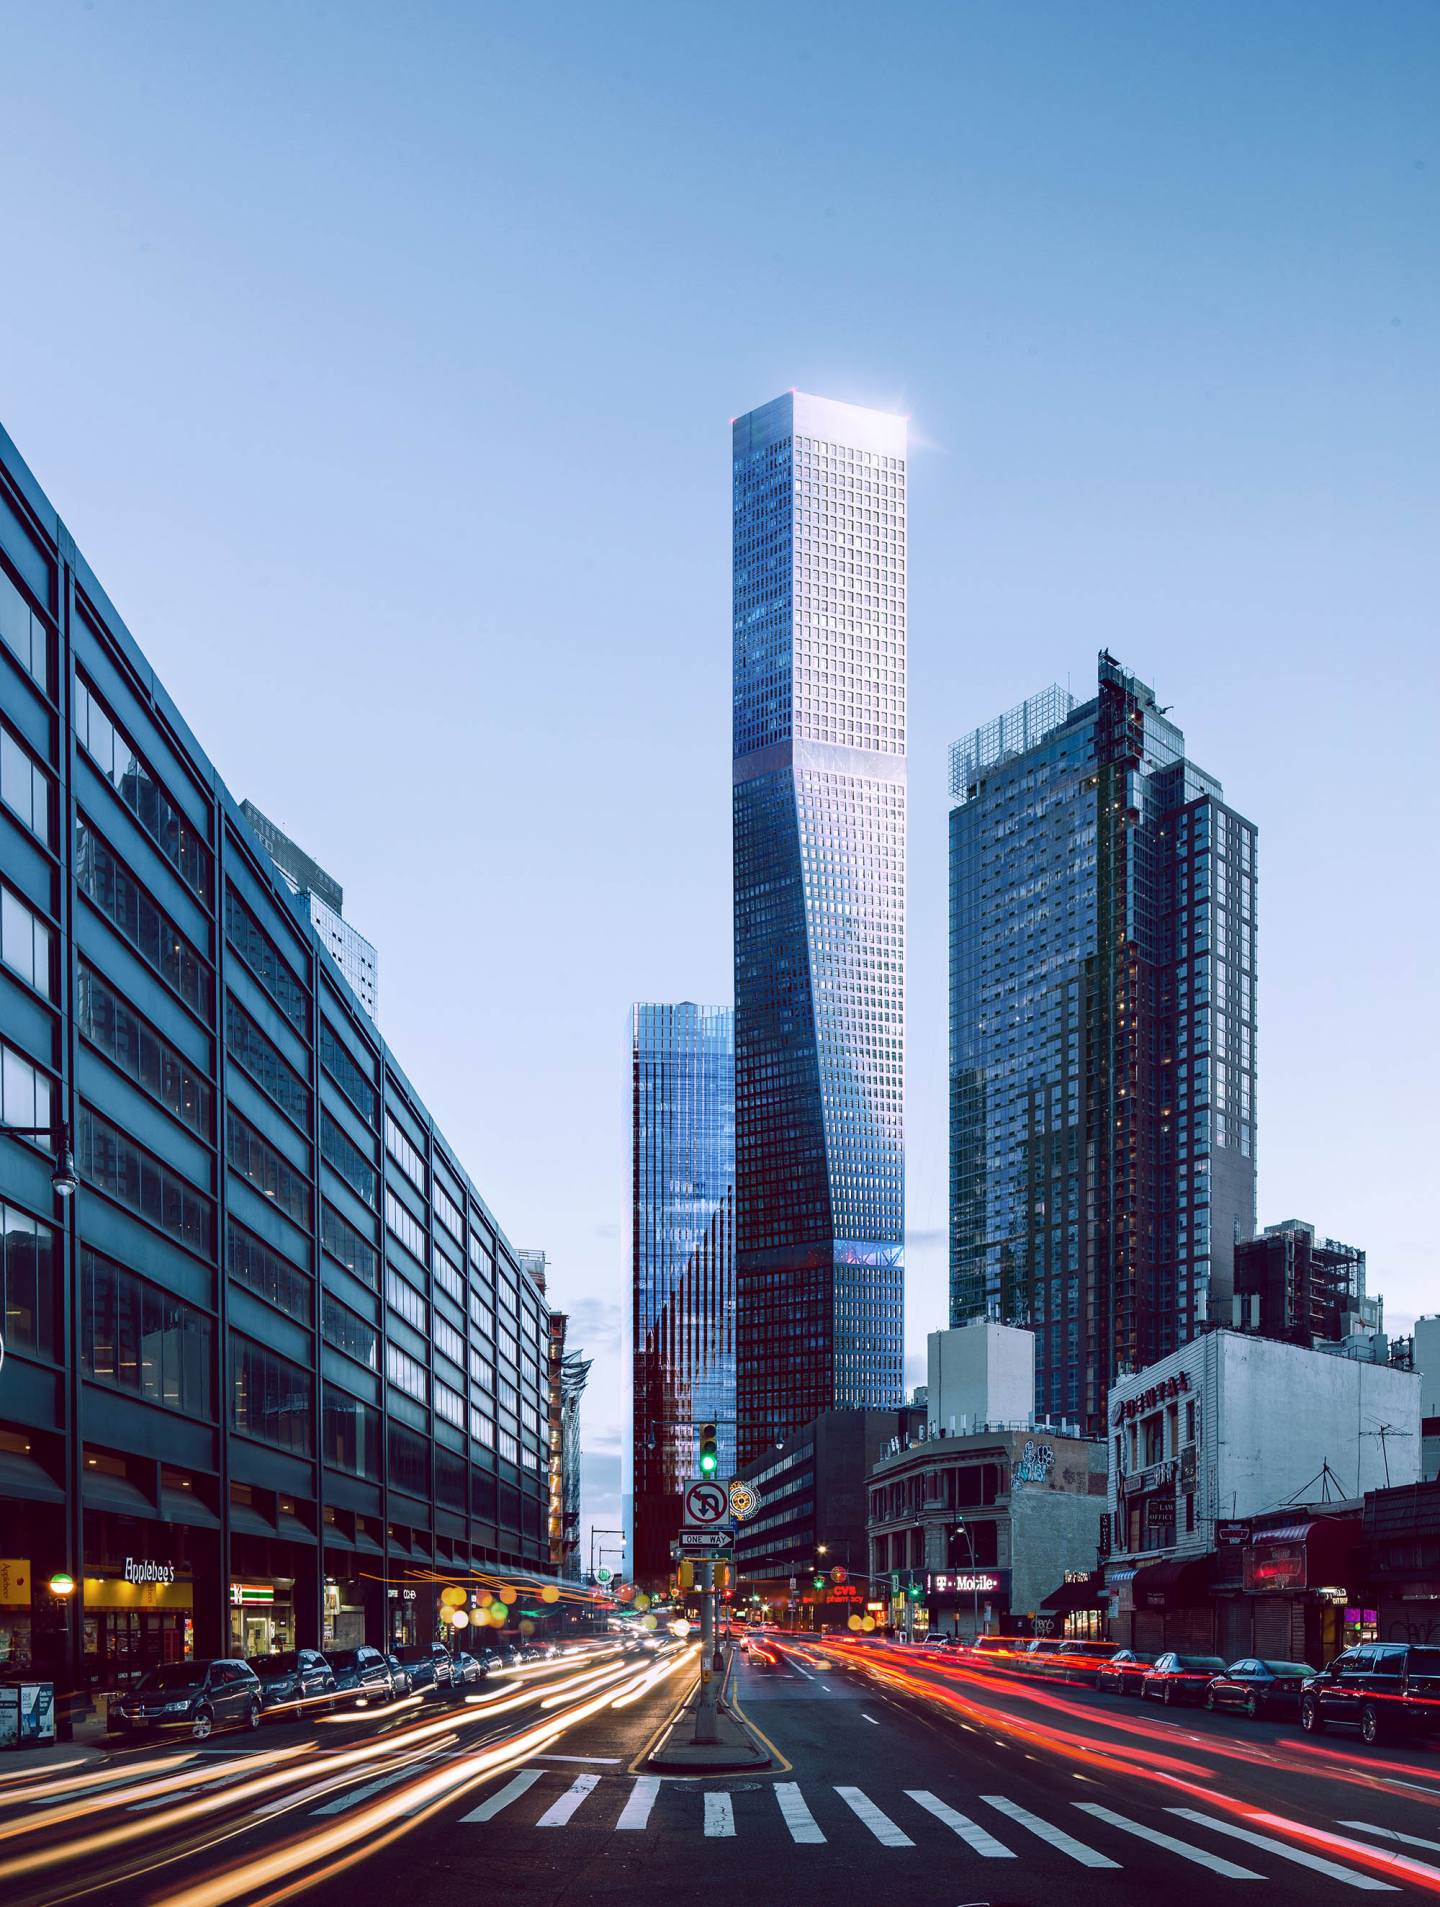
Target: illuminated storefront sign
[(1276, 1567), (969, 1582), (245, 1593), (143, 1569)]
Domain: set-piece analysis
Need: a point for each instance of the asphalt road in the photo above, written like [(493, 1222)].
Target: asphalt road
[(893, 1772)]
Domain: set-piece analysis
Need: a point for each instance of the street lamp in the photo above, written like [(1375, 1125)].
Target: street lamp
[(64, 1178), (963, 1529)]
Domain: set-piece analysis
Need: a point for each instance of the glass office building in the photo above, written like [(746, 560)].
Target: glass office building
[(682, 1273), (819, 832), (273, 1371), (1102, 1036)]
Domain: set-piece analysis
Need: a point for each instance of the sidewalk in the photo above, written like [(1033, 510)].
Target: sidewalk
[(87, 1746)]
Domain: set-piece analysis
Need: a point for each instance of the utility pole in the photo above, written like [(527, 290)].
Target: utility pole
[(705, 1711)]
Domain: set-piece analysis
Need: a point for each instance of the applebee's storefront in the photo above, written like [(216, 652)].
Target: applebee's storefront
[(138, 1613)]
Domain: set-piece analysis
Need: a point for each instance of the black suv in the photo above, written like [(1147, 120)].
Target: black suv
[(1381, 1688), (193, 1698), (293, 1678)]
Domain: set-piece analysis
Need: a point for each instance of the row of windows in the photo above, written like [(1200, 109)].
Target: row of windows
[(339, 1062), (406, 1301), (116, 1165), (404, 1154), (253, 1049), (138, 786), (350, 1434), (347, 1159), (406, 1227), (263, 958), (263, 1271), (349, 1333), (27, 1282), (271, 1399), (23, 633), (137, 1338), (407, 1374), (24, 786), (346, 1246), (104, 879), (267, 1170), (447, 1211), (113, 1026)]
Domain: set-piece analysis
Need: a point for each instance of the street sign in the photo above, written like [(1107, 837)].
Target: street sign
[(744, 1499), (839, 1573), (706, 1504), (603, 1575), (702, 1543)]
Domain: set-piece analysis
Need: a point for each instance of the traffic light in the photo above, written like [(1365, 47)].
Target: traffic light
[(914, 1592), (709, 1452), (818, 1580)]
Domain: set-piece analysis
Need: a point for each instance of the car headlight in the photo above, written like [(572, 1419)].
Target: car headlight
[(174, 1708)]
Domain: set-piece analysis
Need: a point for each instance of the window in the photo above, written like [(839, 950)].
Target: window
[(266, 1273), (347, 1159), (404, 1154), (406, 1374), (409, 1461), (350, 1434), (448, 1279), (265, 961), (449, 1405), (406, 1227), (406, 1302), (268, 1171), (349, 1333), (482, 1429), (113, 1026), (25, 943), (262, 1059), (104, 879), (482, 1373), (25, 1092), (340, 1064), (136, 1337), (23, 633), (346, 1246), (271, 1399), (140, 788), (27, 1282), (447, 1211), (25, 787), (115, 1164)]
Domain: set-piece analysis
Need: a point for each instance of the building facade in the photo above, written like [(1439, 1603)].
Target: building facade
[(1290, 1283), (568, 1374), (682, 1269), (819, 844), (274, 1366), (352, 953), (1102, 1036)]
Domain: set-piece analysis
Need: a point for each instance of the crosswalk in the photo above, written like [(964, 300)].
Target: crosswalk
[(995, 1827)]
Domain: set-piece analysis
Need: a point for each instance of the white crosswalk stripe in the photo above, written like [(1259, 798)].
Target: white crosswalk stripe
[(879, 1823), (636, 1812), (979, 1838), (355, 1796), (1228, 1870), (1391, 1834), (559, 1813), (1285, 1850), (1056, 1837), (502, 1798), (802, 1824), (719, 1816)]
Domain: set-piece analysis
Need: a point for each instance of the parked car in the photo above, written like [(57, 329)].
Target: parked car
[(428, 1666), (1079, 1662), (1124, 1673), (399, 1676), (191, 1697), (993, 1652), (938, 1639), (1381, 1688), (544, 1650), (1034, 1656), (1181, 1678), (511, 1654), (362, 1677), (469, 1670), (292, 1678), (1259, 1688)]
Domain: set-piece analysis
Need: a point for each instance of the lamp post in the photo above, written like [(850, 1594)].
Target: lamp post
[(962, 1528), (64, 1178)]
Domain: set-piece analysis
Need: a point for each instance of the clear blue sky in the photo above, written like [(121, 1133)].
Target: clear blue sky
[(382, 360)]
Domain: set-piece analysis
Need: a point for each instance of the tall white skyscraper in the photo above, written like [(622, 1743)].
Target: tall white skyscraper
[(819, 817)]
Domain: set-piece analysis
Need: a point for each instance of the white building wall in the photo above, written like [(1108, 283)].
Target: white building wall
[(980, 1373)]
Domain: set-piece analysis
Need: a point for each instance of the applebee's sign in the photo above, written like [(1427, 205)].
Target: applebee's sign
[(141, 1570)]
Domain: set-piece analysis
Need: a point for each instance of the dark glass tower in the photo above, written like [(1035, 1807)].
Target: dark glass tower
[(682, 1341), (819, 819), (1102, 1035)]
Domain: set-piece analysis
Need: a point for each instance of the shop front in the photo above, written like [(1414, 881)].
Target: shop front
[(1402, 1556), (262, 1615), (1079, 1610), (344, 1624), (970, 1602), (1297, 1582), (137, 1620), (1173, 1608)]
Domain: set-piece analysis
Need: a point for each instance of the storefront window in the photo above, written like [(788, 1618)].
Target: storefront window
[(1361, 1625)]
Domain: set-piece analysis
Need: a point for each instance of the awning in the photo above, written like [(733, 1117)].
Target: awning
[(365, 1544), (292, 1529), (1120, 1572), (246, 1520), (22, 1476), (101, 1491), (1290, 1533), (1173, 1583), (1069, 1596), (183, 1506)]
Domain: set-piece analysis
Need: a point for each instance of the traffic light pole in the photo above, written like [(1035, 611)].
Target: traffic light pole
[(705, 1709)]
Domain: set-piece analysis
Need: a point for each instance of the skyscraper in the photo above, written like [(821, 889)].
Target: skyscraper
[(352, 953), (1102, 1035), (819, 819), (682, 1310)]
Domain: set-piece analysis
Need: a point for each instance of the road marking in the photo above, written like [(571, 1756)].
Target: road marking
[(283, 1801), (344, 1801), (1392, 1834), (798, 1670), (979, 1838), (1286, 1851), (869, 1718), (188, 1794), (827, 1688), (1215, 1862), (608, 1761), (719, 1816), (502, 1798), (560, 1811), (636, 1812), (1057, 1837), (798, 1818), (879, 1823)]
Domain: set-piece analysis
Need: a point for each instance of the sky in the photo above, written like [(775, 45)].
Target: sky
[(382, 359)]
